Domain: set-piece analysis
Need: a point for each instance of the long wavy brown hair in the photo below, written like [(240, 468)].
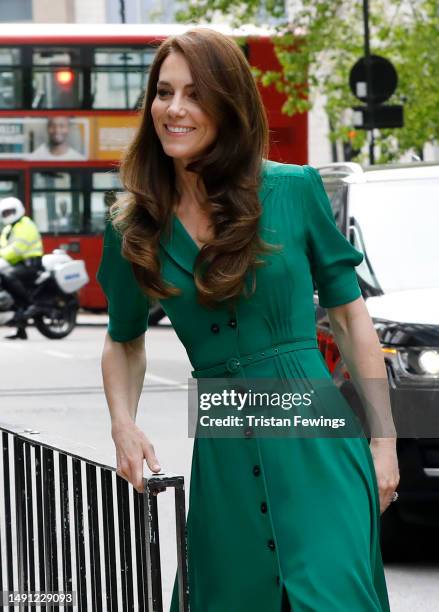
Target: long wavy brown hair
[(230, 170)]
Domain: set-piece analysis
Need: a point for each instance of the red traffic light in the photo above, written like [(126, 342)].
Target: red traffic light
[(65, 77)]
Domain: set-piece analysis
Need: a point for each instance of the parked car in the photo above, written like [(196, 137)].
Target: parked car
[(156, 314), (391, 214)]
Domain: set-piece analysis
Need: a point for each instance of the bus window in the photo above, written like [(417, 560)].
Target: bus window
[(10, 78), (105, 186), (119, 77), (58, 202), (56, 78), (8, 188)]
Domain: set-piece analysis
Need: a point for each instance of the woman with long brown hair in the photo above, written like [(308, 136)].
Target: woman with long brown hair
[(231, 244)]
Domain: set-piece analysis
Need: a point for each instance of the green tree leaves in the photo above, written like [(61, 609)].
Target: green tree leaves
[(318, 42)]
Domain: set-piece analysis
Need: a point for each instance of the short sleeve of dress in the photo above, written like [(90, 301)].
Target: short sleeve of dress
[(332, 257), (128, 306)]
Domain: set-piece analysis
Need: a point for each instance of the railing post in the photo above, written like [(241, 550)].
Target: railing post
[(153, 486), (79, 536), (20, 518), (30, 514), (50, 520), (95, 558), (180, 524), (109, 540), (65, 526), (124, 543), (141, 553), (8, 514), (153, 546), (39, 517)]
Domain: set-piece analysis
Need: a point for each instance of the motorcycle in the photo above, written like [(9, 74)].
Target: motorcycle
[(53, 294)]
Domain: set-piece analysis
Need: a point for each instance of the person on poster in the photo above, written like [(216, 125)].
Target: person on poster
[(273, 524), (57, 147)]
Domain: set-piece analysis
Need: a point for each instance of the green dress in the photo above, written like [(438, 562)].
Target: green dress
[(267, 514)]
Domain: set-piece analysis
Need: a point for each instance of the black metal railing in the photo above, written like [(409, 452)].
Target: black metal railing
[(69, 524)]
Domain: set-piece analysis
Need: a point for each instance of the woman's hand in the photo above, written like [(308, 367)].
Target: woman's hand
[(386, 468), (132, 447)]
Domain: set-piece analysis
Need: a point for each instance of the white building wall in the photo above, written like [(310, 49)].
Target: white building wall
[(48, 11), (69, 11), (319, 147), (90, 11), (144, 11)]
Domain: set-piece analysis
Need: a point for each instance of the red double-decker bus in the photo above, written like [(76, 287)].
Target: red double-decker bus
[(68, 100)]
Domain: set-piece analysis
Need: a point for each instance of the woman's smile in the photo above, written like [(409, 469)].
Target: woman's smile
[(177, 130)]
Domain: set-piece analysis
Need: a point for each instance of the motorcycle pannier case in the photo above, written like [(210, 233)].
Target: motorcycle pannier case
[(71, 276)]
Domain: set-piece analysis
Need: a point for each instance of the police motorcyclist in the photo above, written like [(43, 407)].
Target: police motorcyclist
[(21, 250)]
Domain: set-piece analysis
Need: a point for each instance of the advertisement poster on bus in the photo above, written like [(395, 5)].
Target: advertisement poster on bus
[(111, 135), (63, 138), (57, 138)]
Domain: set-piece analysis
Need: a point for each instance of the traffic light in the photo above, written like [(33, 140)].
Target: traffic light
[(348, 150)]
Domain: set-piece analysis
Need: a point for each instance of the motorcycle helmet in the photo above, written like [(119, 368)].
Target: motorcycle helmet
[(11, 209)]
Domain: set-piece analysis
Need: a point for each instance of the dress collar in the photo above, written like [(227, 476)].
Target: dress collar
[(180, 245)]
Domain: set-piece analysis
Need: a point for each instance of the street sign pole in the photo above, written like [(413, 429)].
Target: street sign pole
[(122, 11), (368, 77), (373, 80)]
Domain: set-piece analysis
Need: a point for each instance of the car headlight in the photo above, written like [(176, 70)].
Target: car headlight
[(415, 361), (429, 361)]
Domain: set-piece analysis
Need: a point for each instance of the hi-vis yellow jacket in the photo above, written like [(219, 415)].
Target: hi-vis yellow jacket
[(20, 241)]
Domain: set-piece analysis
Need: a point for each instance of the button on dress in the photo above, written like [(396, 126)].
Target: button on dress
[(269, 519)]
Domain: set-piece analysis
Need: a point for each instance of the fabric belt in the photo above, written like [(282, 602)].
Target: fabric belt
[(233, 364)]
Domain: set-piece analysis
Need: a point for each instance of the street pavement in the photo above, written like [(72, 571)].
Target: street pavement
[(55, 388)]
